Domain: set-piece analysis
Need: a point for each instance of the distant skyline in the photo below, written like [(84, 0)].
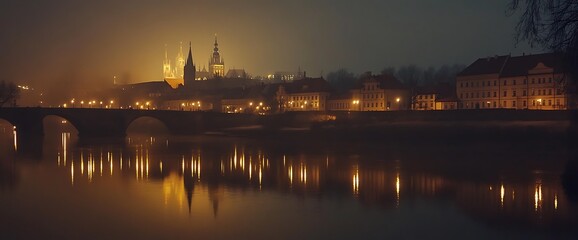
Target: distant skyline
[(48, 43)]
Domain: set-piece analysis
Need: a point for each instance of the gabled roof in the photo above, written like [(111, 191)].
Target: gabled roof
[(386, 81), (520, 65), (489, 65), (306, 85), (236, 73), (507, 66)]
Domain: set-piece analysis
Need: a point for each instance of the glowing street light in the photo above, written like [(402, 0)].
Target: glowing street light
[(397, 100)]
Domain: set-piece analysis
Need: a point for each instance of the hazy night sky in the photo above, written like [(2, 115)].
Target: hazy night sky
[(59, 42)]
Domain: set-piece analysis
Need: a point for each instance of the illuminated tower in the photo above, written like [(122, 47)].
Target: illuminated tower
[(180, 62), (216, 63), (189, 69), (167, 72)]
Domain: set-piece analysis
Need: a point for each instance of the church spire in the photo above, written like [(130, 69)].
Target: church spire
[(190, 57), (189, 70)]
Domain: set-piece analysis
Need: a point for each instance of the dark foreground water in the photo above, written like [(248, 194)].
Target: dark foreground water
[(230, 188)]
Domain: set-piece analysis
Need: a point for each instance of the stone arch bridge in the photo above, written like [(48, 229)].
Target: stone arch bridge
[(91, 122)]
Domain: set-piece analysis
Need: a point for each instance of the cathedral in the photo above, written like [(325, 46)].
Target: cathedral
[(183, 71)]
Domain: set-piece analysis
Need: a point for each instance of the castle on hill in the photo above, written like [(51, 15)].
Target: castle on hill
[(183, 71)]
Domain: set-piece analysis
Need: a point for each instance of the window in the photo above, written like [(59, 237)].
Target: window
[(524, 93), (488, 94), (549, 80), (505, 83), (461, 95), (483, 84), (467, 84), (524, 103), (494, 104), (514, 93), (488, 83), (461, 84), (513, 103), (478, 94), (533, 80), (505, 94), (549, 102), (549, 91), (525, 81), (495, 82), (514, 82), (483, 94), (495, 94)]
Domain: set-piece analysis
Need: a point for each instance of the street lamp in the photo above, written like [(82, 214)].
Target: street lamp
[(81, 103), (148, 103), (72, 102)]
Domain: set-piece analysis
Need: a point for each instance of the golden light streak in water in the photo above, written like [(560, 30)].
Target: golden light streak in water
[(222, 167), (355, 182), (183, 165), (538, 196), (161, 166), (15, 136), (81, 163), (147, 162), (260, 177), (136, 168), (199, 167), (397, 186), (556, 202), (290, 173), (72, 173), (502, 193), (513, 195), (89, 169), (120, 161), (111, 160), (250, 170), (101, 166)]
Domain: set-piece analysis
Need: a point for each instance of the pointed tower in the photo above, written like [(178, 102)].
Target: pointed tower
[(216, 63), (180, 62), (189, 69), (167, 71)]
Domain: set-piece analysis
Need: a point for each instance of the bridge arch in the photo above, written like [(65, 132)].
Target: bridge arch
[(146, 124), (57, 122)]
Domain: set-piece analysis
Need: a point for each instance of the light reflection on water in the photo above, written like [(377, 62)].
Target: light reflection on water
[(229, 180)]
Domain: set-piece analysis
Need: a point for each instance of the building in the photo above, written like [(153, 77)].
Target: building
[(216, 62), (174, 73), (236, 73), (437, 97), (380, 93), (522, 82), (342, 102), (307, 94)]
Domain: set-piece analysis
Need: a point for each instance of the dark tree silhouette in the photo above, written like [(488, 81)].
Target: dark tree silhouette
[(9, 92), (552, 24), (342, 80)]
